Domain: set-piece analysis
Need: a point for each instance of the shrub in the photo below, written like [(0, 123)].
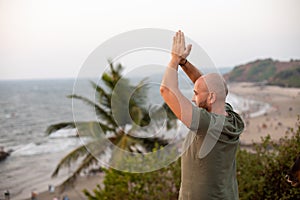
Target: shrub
[(160, 184), (261, 175)]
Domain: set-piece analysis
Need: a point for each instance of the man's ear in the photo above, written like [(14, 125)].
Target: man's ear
[(212, 97)]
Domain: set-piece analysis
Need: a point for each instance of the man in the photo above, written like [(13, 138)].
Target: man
[(208, 169)]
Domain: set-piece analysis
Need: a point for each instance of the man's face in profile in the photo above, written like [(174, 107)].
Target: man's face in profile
[(200, 94)]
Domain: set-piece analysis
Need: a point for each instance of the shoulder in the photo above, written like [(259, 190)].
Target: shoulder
[(200, 119)]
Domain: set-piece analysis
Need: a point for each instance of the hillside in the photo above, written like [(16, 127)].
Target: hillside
[(272, 72)]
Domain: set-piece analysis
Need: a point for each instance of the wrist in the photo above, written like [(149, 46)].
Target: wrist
[(175, 60), (183, 62)]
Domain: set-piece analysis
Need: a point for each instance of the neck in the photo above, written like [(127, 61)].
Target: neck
[(219, 108)]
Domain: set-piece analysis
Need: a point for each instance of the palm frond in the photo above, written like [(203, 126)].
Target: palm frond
[(96, 149), (115, 71), (151, 143), (87, 161), (108, 80), (99, 89), (69, 158), (55, 127), (141, 93), (171, 117), (103, 114), (93, 128), (101, 94)]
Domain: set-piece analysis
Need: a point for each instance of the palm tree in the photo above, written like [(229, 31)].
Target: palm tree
[(106, 126)]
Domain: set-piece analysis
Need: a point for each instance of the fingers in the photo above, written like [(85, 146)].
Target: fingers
[(179, 37), (182, 39), (189, 48), (174, 40), (173, 48), (178, 47)]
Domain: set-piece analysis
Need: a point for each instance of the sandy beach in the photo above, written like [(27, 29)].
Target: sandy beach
[(282, 113), (75, 192)]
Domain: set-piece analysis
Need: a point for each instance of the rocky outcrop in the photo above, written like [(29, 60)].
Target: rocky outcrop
[(273, 72), (3, 154)]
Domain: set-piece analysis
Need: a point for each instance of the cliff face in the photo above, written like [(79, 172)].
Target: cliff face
[(273, 72)]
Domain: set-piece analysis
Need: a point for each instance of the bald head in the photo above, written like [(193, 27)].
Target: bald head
[(213, 83)]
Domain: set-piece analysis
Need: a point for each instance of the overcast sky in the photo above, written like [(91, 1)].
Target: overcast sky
[(52, 38)]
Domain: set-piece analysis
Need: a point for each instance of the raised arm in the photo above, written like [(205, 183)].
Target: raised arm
[(179, 104), (190, 70)]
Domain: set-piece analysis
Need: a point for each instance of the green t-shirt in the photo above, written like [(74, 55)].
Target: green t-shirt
[(208, 168)]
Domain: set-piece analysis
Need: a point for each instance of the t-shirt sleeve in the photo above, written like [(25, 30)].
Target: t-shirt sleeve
[(200, 120)]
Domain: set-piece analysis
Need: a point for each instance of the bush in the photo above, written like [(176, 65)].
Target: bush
[(260, 174), (160, 184)]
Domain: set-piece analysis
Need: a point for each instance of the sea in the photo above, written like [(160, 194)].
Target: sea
[(28, 107)]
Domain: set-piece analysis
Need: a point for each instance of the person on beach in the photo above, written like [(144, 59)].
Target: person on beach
[(7, 195), (66, 197), (208, 164), (34, 195)]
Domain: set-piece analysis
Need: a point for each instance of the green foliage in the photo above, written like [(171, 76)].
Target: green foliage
[(161, 184), (288, 78), (236, 73), (262, 70), (259, 71), (261, 175), (284, 74)]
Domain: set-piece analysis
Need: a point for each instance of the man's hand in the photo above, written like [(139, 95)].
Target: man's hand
[(179, 51)]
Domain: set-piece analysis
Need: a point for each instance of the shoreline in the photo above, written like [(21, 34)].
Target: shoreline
[(282, 114)]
